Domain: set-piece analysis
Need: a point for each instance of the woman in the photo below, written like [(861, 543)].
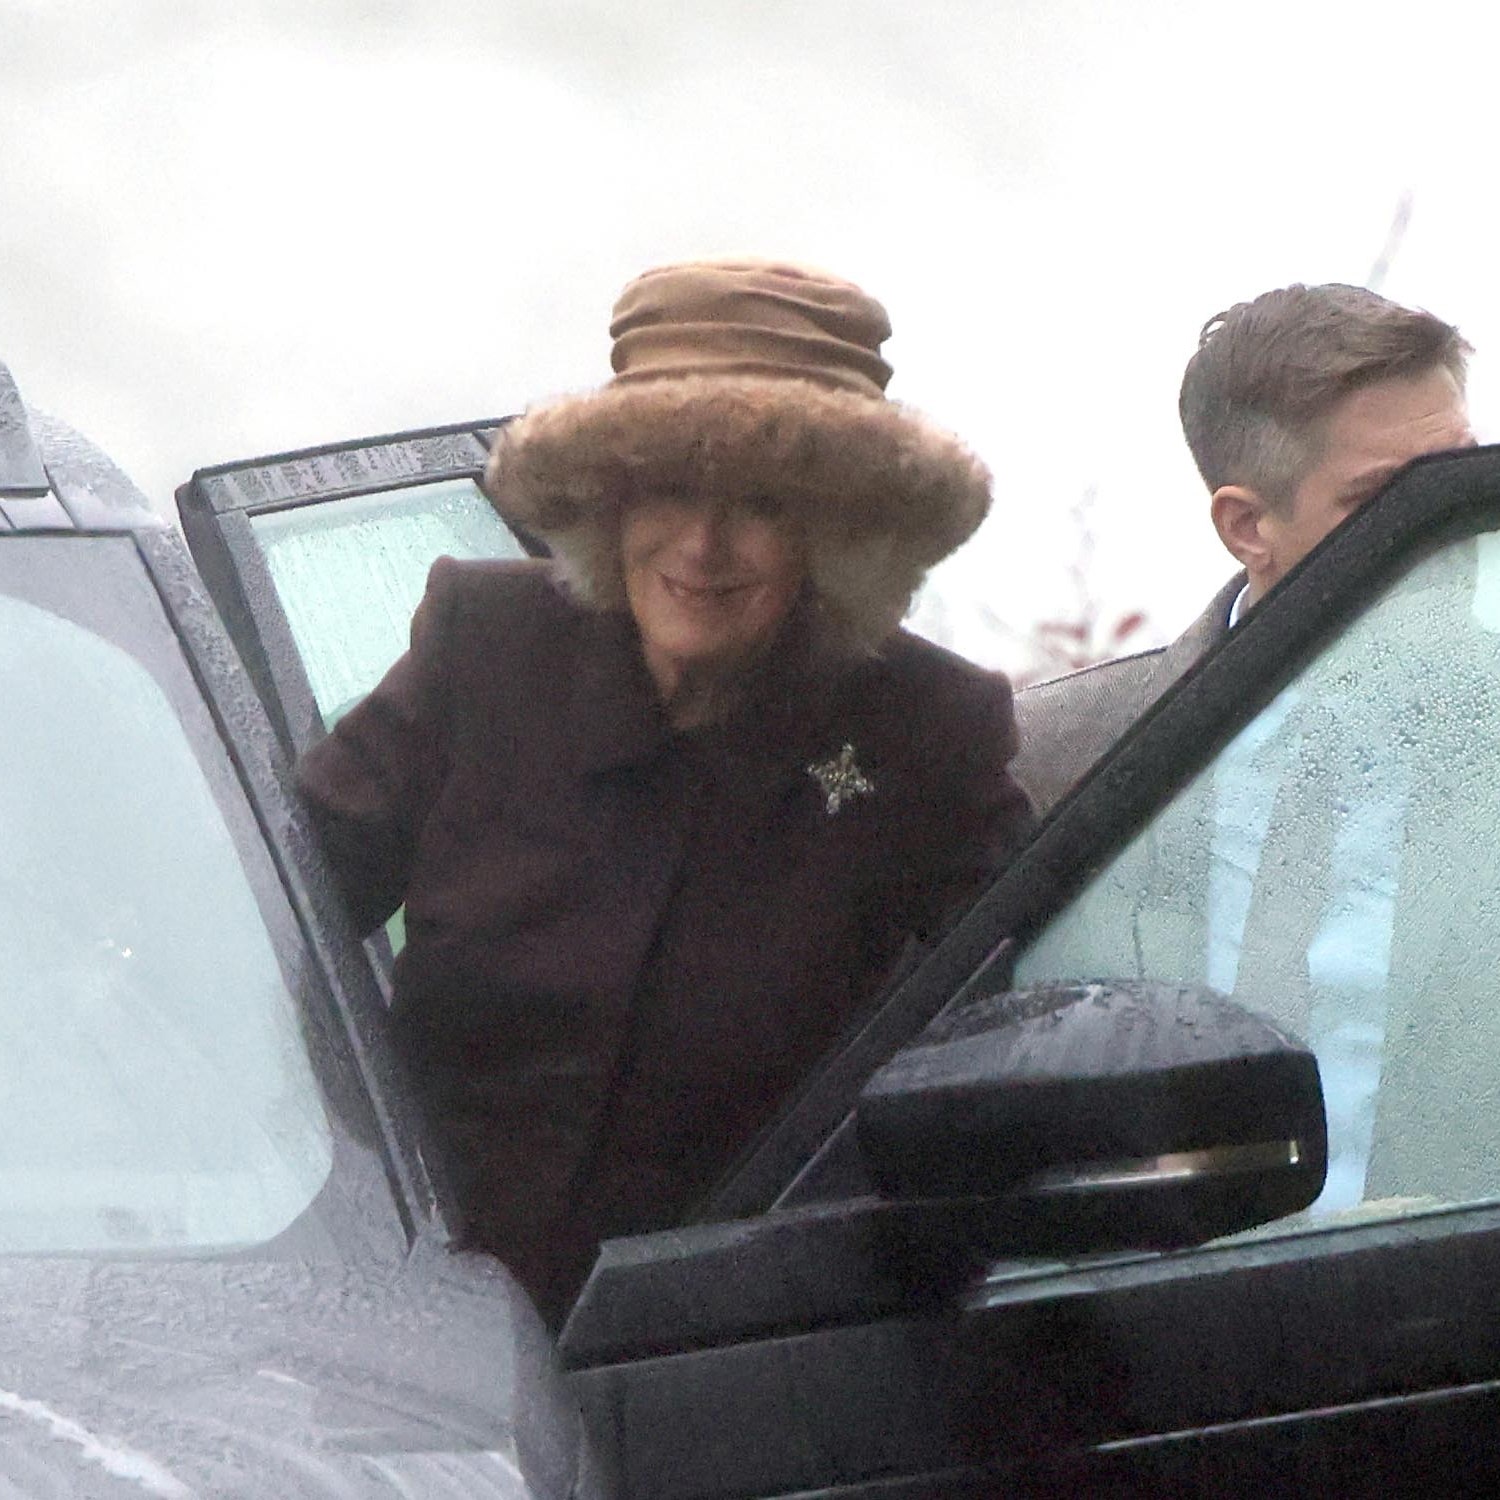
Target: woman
[(664, 811)]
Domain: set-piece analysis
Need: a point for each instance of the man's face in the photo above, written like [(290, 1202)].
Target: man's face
[(1366, 438)]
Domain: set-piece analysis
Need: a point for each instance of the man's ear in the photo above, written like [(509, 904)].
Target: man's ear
[(1239, 516)]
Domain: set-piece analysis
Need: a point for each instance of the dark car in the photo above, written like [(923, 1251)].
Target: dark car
[(963, 1262), (223, 1263)]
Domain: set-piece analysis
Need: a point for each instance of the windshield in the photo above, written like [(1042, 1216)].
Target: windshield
[(1336, 868), (350, 574), (157, 1093)]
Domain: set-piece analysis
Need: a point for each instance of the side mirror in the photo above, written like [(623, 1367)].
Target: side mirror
[(1113, 1115)]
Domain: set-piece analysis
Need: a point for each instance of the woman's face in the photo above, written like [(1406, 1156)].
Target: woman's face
[(709, 584)]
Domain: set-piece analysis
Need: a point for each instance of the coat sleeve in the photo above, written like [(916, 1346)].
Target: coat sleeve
[(371, 784)]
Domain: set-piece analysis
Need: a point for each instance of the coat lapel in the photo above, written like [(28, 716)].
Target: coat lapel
[(614, 716)]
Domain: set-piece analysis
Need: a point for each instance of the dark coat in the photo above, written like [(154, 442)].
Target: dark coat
[(625, 945), (1068, 723)]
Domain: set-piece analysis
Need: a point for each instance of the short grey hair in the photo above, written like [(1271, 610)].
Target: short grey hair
[(1268, 372)]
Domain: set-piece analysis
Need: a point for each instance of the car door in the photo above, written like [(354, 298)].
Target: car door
[(317, 559), (1308, 822)]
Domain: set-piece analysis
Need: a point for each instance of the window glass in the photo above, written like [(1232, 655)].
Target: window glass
[(350, 574), (1337, 867), (156, 1090)]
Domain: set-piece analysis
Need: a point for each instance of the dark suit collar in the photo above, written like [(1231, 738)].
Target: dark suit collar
[(1210, 627)]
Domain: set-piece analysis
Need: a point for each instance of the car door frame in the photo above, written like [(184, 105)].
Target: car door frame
[(216, 507), (1432, 500)]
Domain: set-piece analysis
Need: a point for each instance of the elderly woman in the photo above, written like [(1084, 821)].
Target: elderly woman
[(664, 811)]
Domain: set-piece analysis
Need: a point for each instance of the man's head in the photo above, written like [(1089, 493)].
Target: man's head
[(1300, 405)]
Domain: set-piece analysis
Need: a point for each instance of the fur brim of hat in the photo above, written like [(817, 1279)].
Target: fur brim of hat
[(844, 464)]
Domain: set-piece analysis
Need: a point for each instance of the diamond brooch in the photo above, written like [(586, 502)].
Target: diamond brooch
[(840, 779)]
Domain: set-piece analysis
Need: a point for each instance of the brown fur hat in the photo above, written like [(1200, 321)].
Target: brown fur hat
[(759, 381)]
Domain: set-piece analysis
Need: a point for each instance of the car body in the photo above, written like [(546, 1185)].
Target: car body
[(226, 1269), (807, 1334)]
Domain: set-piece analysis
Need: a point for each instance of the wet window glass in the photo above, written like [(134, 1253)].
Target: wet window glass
[(350, 574), (1337, 868), (157, 1091)]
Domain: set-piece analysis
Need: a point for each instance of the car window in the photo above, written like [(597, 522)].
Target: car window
[(158, 1093), (1336, 867), (350, 572)]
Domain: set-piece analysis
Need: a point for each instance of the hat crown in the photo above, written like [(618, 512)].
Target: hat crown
[(750, 317)]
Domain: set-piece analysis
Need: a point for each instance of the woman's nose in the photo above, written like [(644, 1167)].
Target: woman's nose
[(703, 535)]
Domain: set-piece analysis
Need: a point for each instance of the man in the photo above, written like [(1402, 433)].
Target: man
[(1298, 407)]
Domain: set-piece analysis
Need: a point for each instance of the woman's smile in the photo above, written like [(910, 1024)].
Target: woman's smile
[(703, 594)]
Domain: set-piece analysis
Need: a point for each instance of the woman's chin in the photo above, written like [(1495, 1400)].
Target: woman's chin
[(709, 660), (708, 647)]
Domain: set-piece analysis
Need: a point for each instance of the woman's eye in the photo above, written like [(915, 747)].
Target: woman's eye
[(766, 507)]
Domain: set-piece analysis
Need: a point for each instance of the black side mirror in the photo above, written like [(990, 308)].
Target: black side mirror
[(1120, 1114)]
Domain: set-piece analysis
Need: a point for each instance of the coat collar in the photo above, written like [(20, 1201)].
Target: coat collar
[(617, 720), (1204, 632)]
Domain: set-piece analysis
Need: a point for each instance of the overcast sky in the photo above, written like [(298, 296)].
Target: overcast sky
[(227, 231)]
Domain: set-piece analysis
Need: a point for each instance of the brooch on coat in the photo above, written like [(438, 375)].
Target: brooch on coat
[(840, 779)]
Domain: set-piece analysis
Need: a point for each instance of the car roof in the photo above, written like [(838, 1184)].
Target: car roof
[(52, 478)]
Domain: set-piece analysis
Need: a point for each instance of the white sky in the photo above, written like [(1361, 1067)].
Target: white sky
[(227, 231)]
